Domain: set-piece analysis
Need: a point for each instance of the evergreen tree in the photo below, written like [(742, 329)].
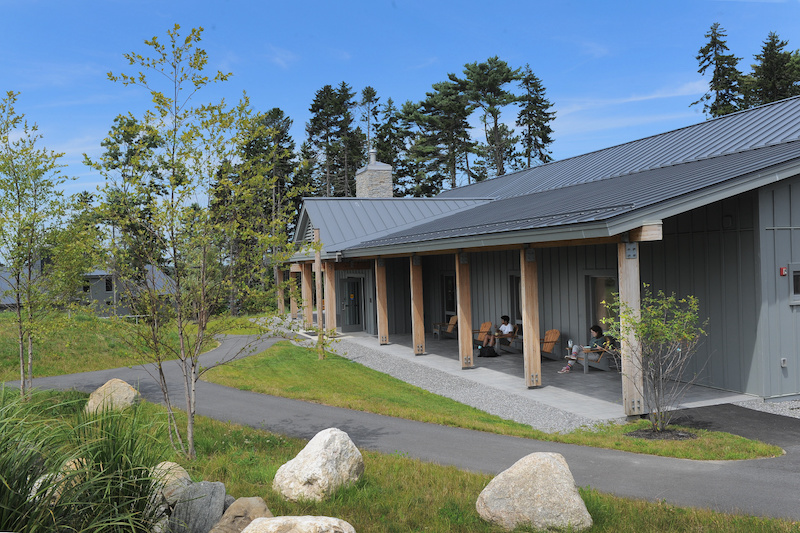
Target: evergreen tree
[(724, 95), (484, 86), (350, 153), (369, 111), (534, 118), (392, 135), (775, 74), (323, 132)]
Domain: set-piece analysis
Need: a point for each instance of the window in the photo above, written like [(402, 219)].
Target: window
[(109, 284), (794, 284), (449, 296), (516, 297)]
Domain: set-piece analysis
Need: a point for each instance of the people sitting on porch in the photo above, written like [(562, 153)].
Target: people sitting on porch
[(597, 341), (504, 333)]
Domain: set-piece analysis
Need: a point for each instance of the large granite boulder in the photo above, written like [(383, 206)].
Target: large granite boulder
[(171, 479), (114, 394), (299, 524), (240, 514), (329, 461), (199, 508), (537, 491)]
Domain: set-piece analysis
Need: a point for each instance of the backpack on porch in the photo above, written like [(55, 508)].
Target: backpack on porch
[(487, 351)]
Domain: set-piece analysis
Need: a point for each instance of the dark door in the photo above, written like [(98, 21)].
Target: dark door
[(352, 305)]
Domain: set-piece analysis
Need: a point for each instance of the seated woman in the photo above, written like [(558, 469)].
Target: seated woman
[(504, 333), (597, 341)]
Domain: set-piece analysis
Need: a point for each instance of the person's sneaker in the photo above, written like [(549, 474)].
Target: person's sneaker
[(565, 370)]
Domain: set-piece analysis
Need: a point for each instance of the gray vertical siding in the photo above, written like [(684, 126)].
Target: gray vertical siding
[(398, 295), (779, 322), (710, 253)]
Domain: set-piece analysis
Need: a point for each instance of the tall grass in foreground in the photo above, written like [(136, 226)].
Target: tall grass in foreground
[(63, 471)]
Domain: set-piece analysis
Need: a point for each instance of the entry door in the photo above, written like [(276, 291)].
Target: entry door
[(352, 305)]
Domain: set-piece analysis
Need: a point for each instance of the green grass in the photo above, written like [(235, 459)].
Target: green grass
[(401, 494), (294, 372), (85, 343), (80, 344), (395, 494)]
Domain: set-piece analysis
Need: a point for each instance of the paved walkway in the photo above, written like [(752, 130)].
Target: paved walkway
[(764, 487)]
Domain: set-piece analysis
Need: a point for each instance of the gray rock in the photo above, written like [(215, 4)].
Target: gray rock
[(114, 394), (240, 513), (329, 461), (299, 524), (199, 508), (228, 502), (537, 491)]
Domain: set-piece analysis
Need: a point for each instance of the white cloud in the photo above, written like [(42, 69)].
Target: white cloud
[(582, 104), (280, 56)]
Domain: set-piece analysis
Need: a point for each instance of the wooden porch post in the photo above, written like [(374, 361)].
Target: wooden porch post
[(630, 295), (417, 308), (278, 273), (307, 296), (529, 287), (292, 292), (464, 311), (318, 282), (330, 296), (380, 296)]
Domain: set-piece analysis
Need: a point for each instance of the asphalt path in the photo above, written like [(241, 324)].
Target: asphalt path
[(761, 487)]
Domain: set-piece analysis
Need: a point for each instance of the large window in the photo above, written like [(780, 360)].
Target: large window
[(794, 284), (516, 297), (449, 296)]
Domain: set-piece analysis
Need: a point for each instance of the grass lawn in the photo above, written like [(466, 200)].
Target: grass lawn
[(293, 372), (400, 494), (82, 343)]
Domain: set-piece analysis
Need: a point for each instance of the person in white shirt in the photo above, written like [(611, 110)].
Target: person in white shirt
[(503, 333)]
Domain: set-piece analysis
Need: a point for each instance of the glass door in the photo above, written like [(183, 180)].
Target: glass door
[(352, 304)]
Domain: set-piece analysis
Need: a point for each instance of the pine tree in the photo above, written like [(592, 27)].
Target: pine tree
[(369, 111), (484, 85), (724, 95), (391, 136), (534, 118), (775, 74), (323, 132)]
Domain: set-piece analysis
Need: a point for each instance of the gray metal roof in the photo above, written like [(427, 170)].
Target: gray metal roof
[(349, 221), (597, 201), (595, 194), (767, 125)]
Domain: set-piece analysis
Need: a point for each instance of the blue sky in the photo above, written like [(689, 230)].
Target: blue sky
[(614, 70)]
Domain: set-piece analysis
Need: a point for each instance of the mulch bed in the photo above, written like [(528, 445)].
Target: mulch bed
[(667, 434)]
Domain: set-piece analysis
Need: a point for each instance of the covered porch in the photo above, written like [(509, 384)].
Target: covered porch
[(596, 395)]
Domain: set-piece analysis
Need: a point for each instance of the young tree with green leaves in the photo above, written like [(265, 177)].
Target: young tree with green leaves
[(724, 95), (195, 142), (43, 254), (666, 331), (534, 118)]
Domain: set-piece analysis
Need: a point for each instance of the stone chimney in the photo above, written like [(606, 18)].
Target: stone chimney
[(375, 179)]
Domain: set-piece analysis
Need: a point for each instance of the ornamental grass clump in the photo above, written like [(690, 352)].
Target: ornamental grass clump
[(76, 473)]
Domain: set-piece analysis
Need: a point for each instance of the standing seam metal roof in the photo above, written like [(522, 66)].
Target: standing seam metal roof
[(770, 124)]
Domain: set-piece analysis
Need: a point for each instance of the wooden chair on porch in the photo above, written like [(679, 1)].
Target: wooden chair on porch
[(551, 338), (447, 328), (486, 327)]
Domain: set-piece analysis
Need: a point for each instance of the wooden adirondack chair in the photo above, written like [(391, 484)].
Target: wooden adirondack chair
[(448, 328), (551, 337), (486, 327)]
